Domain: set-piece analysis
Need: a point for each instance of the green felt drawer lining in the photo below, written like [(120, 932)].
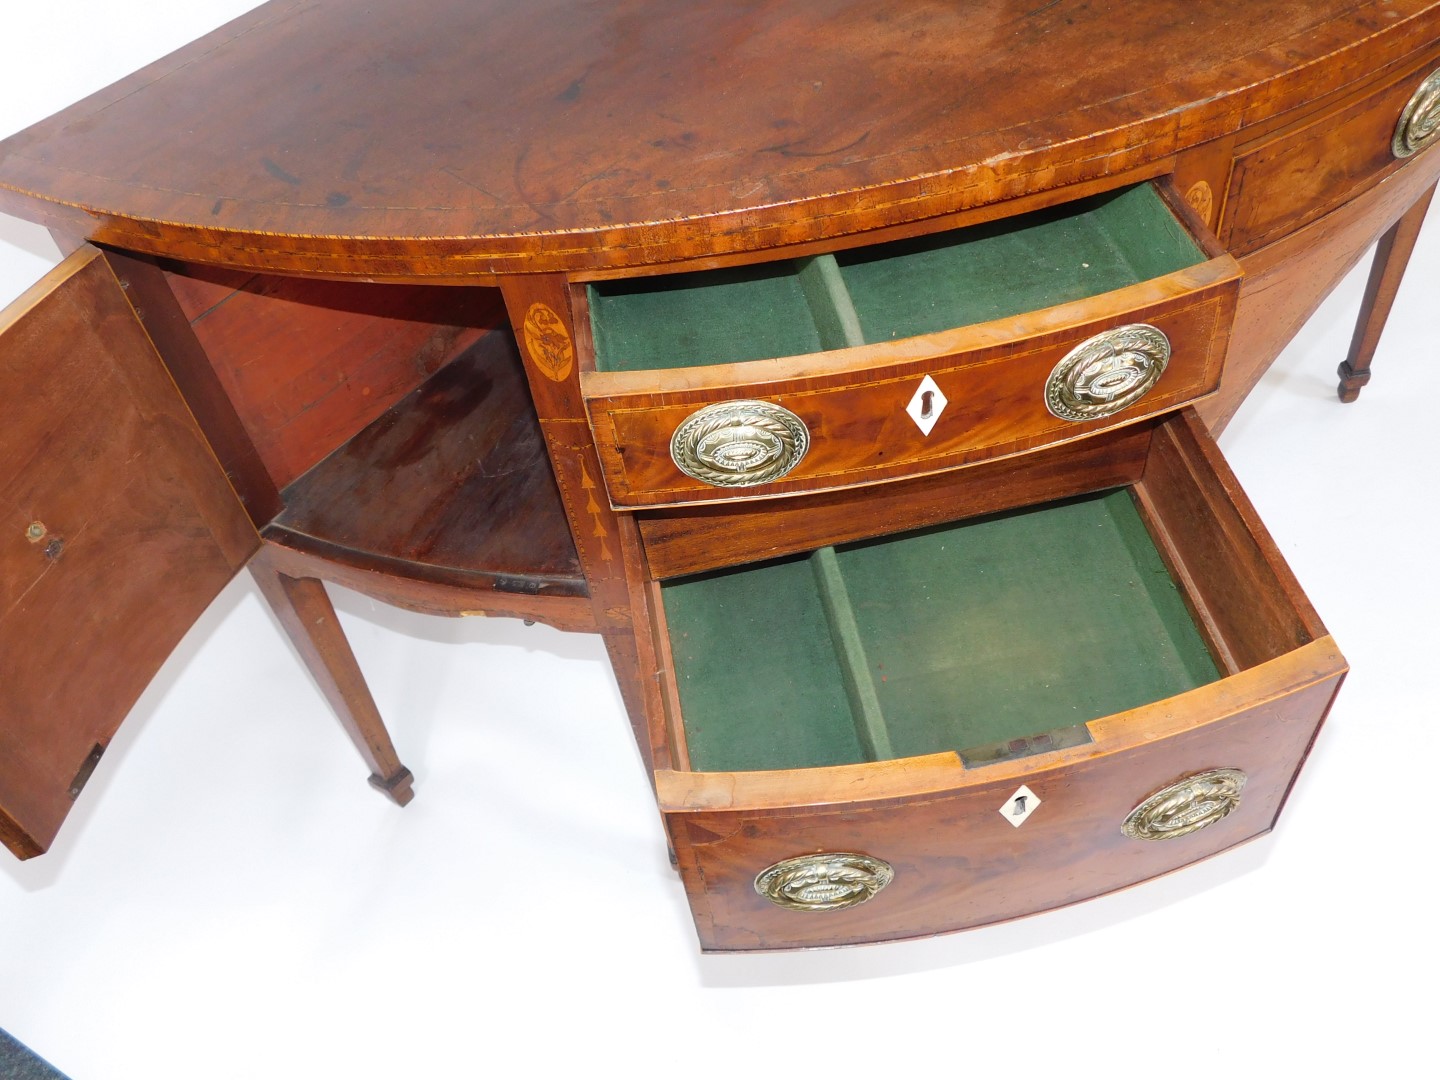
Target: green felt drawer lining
[(887, 291), (713, 317), (759, 681), (996, 270), (989, 630)]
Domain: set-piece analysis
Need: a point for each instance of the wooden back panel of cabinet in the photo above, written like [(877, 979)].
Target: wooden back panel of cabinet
[(117, 529), (308, 364)]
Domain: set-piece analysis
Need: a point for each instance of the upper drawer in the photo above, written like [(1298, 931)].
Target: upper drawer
[(1308, 170), (907, 357)]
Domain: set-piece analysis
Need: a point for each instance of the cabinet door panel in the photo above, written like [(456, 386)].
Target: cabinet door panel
[(117, 529)]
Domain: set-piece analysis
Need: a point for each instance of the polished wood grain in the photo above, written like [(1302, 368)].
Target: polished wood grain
[(637, 656), (607, 543), (957, 862), (1308, 170), (550, 373), (1216, 546), (166, 322), (450, 485), (383, 438), (1201, 177), (299, 557), (638, 141), (445, 504), (118, 530), (884, 781)]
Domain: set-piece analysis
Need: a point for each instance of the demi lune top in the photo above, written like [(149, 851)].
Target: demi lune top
[(441, 138)]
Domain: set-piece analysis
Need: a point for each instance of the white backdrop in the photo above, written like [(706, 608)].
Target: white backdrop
[(230, 899)]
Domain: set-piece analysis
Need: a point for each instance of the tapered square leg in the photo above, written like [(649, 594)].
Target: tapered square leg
[(1392, 255), (304, 610)]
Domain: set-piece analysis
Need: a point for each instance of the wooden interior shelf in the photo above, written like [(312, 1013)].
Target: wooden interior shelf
[(459, 468)]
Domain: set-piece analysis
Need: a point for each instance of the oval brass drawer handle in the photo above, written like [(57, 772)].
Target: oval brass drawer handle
[(1419, 123), (1186, 806), (825, 882), (1107, 373), (739, 443)]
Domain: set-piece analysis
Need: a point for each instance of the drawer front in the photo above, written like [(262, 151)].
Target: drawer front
[(1304, 173), (925, 404), (953, 855)]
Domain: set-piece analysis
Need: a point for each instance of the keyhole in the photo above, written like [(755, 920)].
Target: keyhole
[(1019, 806), (927, 404)]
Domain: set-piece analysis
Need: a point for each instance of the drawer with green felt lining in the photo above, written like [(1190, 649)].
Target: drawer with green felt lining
[(951, 638), (907, 357), (887, 699)]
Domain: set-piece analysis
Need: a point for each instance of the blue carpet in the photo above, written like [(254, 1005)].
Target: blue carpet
[(18, 1063)]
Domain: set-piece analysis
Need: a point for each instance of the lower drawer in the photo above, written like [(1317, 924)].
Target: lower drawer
[(972, 723)]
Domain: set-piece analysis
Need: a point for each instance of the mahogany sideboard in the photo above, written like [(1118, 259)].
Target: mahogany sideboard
[(852, 369)]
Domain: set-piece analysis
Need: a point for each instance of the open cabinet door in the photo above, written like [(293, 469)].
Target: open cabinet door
[(117, 529)]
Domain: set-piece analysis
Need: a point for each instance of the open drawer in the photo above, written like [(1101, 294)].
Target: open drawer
[(908, 357), (990, 718)]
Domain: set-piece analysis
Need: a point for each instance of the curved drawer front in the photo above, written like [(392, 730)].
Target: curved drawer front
[(924, 404), (946, 843), (1305, 171)]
